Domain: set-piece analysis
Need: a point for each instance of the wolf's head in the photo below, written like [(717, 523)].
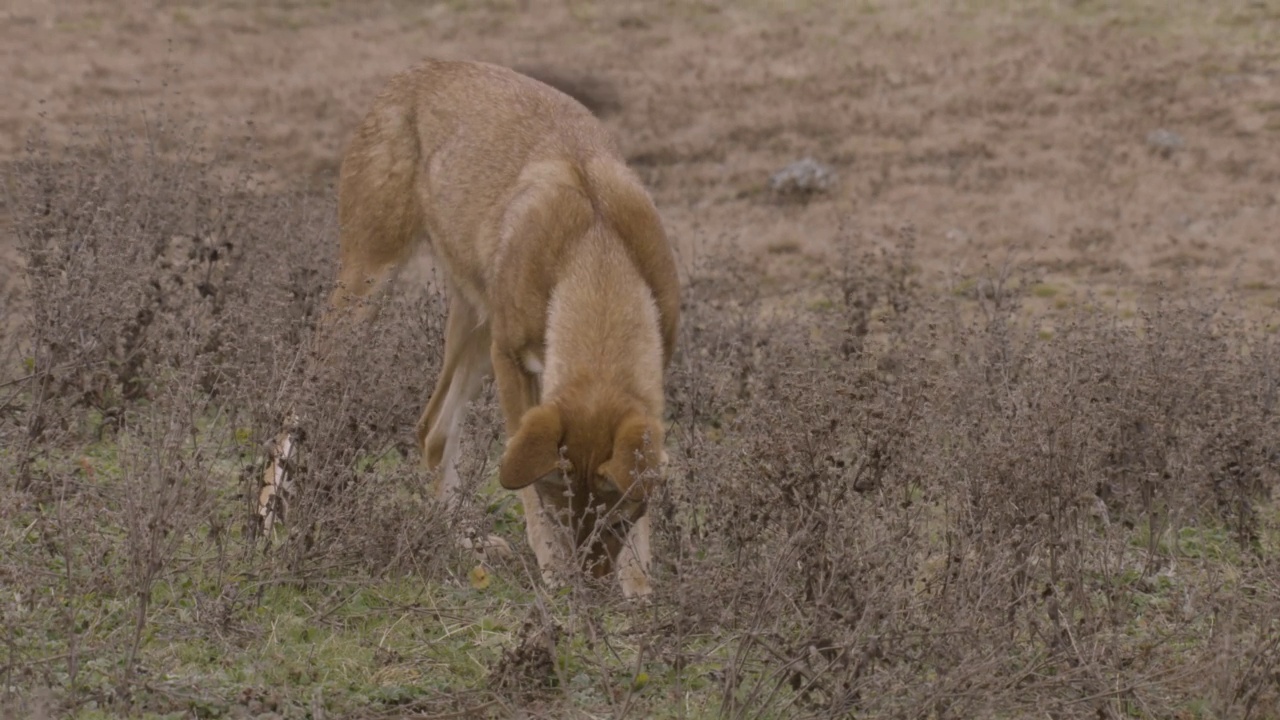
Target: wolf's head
[(594, 466)]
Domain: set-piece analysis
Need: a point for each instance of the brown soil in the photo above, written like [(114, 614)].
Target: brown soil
[(988, 129)]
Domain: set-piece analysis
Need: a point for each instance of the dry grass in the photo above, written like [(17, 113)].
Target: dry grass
[(898, 501)]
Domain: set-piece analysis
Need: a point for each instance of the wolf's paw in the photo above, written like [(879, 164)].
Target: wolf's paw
[(489, 546), (552, 579), (637, 589)]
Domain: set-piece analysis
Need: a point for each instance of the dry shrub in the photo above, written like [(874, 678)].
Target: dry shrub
[(128, 254), (917, 505), (362, 497), (171, 305)]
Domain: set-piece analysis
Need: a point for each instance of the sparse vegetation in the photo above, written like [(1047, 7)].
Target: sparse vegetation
[(909, 479), (913, 503)]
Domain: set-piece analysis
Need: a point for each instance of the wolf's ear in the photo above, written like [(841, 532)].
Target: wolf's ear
[(637, 449), (534, 452)]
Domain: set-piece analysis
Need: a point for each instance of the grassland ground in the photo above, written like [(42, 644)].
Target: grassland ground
[(987, 429)]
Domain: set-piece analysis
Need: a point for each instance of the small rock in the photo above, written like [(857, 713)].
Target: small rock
[(1164, 141), (803, 178)]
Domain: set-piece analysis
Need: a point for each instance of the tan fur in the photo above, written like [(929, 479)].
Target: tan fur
[(555, 259)]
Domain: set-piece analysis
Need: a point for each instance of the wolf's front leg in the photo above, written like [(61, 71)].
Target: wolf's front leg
[(635, 560), (547, 538)]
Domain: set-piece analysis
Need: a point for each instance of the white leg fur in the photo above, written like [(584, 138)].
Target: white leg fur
[(466, 385), (470, 378), (545, 538), (635, 559)]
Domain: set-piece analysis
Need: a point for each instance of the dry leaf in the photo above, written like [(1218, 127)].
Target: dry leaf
[(479, 577)]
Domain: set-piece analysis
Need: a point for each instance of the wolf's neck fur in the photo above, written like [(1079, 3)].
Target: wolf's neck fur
[(604, 343)]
